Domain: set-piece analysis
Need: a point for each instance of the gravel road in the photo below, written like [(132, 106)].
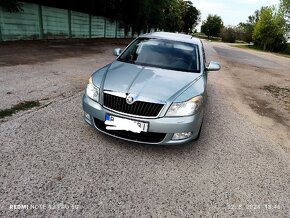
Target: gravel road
[(53, 164)]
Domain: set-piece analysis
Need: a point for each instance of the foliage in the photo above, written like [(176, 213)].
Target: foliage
[(168, 15), (244, 31), (212, 26), (270, 30), (253, 19), (138, 15), (285, 9), (11, 5), (285, 6), (268, 27), (228, 34), (173, 16), (287, 50), (191, 17)]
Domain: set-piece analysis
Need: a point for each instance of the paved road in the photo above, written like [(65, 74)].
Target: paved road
[(244, 57), (50, 158)]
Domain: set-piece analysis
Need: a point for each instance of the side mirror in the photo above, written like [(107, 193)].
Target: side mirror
[(213, 66), (117, 51)]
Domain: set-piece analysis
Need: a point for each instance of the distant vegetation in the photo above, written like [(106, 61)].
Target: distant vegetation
[(212, 26), (228, 34), (11, 5), (138, 15), (268, 28)]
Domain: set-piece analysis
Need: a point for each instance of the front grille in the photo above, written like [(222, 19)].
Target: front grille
[(147, 137), (139, 108)]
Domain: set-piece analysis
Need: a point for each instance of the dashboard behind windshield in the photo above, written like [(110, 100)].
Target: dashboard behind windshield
[(162, 53)]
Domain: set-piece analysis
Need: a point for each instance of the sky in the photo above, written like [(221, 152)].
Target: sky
[(232, 12)]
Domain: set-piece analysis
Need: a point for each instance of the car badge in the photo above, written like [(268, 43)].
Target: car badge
[(129, 99)]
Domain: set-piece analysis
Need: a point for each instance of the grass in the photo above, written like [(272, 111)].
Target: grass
[(26, 105), (214, 39), (240, 42), (286, 53), (244, 46), (202, 36)]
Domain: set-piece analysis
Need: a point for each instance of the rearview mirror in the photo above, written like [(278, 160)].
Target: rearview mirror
[(213, 66), (117, 51)]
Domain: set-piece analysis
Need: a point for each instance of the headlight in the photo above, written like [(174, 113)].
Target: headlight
[(92, 91), (186, 108)]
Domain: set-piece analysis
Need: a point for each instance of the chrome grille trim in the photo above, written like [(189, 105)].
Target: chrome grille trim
[(138, 108)]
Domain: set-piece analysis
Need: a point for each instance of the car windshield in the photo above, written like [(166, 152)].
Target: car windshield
[(162, 53)]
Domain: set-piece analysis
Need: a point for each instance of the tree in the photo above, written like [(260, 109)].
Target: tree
[(212, 26), (190, 17), (11, 5), (168, 15), (285, 9), (270, 30), (228, 34), (253, 19), (285, 5), (173, 16), (244, 31), (136, 15)]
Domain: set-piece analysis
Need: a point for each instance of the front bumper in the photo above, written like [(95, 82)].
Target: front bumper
[(167, 125)]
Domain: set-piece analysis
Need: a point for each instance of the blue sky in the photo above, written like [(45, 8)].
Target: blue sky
[(232, 12)]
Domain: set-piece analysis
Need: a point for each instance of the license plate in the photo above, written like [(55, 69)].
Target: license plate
[(118, 123)]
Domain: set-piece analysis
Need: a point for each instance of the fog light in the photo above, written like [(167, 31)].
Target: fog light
[(87, 116), (181, 135)]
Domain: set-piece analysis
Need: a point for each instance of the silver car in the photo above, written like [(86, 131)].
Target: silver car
[(154, 92)]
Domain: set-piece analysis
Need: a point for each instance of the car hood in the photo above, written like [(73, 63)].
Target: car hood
[(147, 82)]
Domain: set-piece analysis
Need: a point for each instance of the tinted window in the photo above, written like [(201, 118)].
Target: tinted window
[(163, 53)]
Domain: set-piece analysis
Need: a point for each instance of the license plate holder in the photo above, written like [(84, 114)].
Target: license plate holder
[(113, 122)]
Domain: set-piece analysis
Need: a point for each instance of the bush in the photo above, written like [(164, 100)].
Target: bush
[(287, 50), (244, 32), (228, 34)]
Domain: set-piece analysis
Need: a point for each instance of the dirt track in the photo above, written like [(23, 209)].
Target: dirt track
[(258, 85)]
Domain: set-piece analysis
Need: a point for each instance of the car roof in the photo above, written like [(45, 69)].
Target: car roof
[(173, 36)]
